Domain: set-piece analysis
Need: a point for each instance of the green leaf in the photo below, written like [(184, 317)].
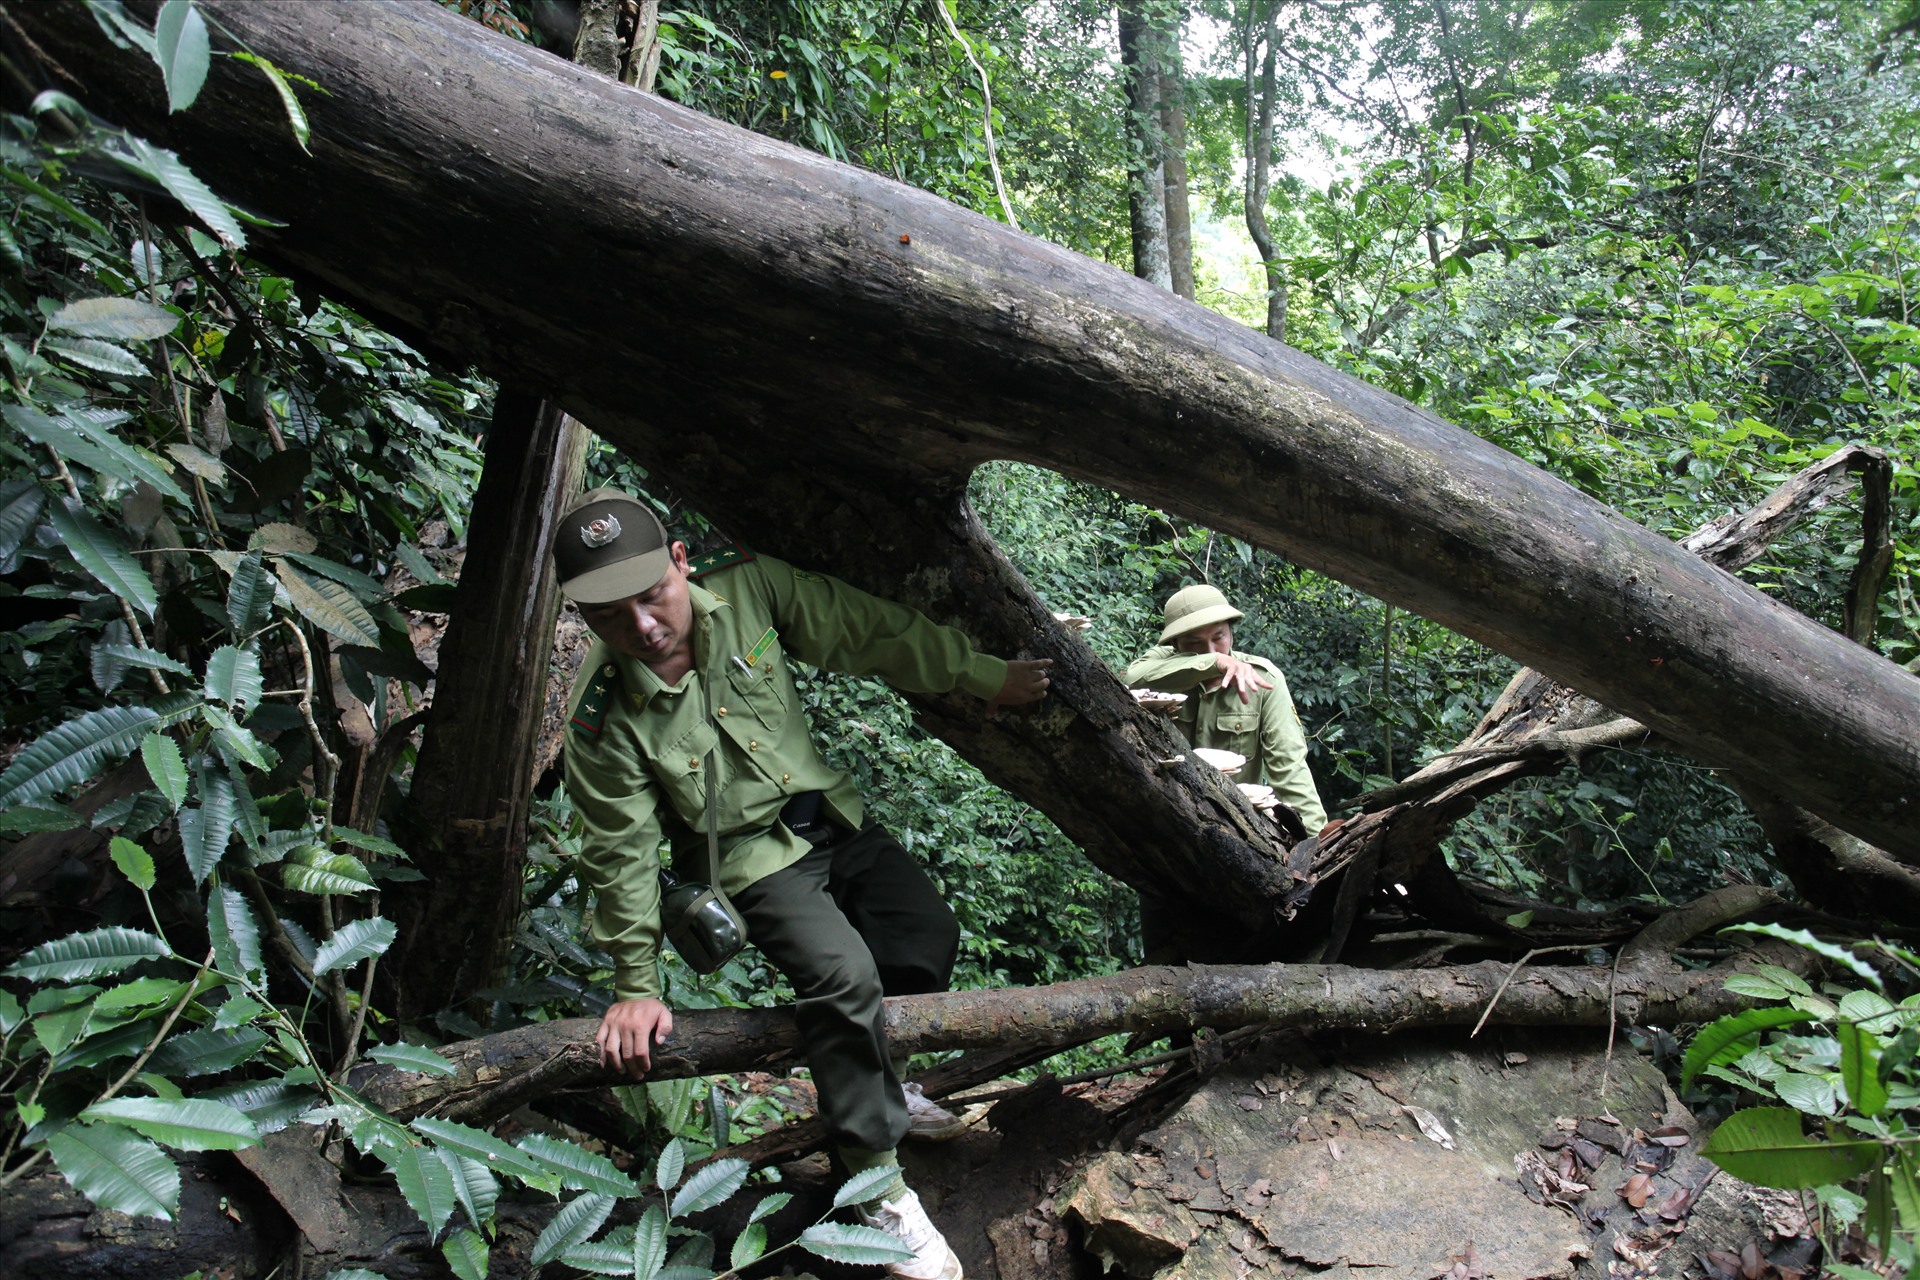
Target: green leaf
[(1747, 984), (1765, 1146), (296, 114), (477, 1190), (1860, 1068), (189, 1124), (356, 941), (649, 1243), (372, 844), (85, 955), (466, 1253), (198, 461), (165, 168), (710, 1186), (206, 830), (1810, 1094), (1726, 1039), (480, 1145), (70, 754), (237, 741), (576, 1220), (579, 1169), (861, 1246), (102, 554), (132, 655), (167, 768), (233, 678), (249, 597), (117, 1170), (278, 536), (328, 605), (234, 934), (86, 437), (135, 863), (208, 1050), (181, 48), (412, 1057), (671, 1164), (46, 816), (864, 1186), (125, 318), (424, 1181), (314, 870), (92, 353), (1802, 938), (748, 1245), (416, 563), (57, 201), (770, 1205)]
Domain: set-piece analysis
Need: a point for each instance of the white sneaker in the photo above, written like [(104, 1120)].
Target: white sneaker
[(907, 1222), (927, 1119)]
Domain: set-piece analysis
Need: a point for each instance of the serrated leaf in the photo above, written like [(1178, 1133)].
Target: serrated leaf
[(480, 1145), (234, 934), (316, 871), (748, 1245), (19, 515), (1860, 1068), (412, 1057), (356, 941), (296, 114), (96, 354), (85, 955), (671, 1164), (236, 741), (133, 655), (466, 1252), (207, 1051), (578, 1168), (424, 1181), (117, 1170), (474, 1186), (249, 596), (417, 564), (1765, 1146), (101, 553), (1725, 1040), (1802, 938), (368, 587), (1758, 988), (1869, 1008), (865, 1185), (198, 461), (844, 1242), (1810, 1094), (70, 754), (168, 769), (371, 843), (86, 437), (189, 1124), (770, 1205), (206, 829), (24, 819), (576, 1220), (134, 862), (233, 678), (277, 536), (181, 47), (649, 1243), (166, 168), (709, 1186), (124, 318), (328, 605)]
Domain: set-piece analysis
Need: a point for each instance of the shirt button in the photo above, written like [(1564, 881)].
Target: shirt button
[(693, 763), (722, 711), (786, 777), (607, 670), (753, 746)]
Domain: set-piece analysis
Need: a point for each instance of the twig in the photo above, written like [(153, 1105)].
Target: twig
[(1613, 1021), (1515, 972), (173, 1016), (352, 1051), (986, 114)]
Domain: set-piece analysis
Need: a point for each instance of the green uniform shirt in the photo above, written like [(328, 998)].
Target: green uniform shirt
[(1266, 729), (635, 744)]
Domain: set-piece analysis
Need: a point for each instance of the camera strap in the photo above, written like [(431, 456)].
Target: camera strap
[(713, 801)]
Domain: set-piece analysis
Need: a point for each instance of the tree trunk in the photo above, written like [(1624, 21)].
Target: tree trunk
[(1173, 135), (1258, 51), (467, 816), (1146, 147), (828, 353)]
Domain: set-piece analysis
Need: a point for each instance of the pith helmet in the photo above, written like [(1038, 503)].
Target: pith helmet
[(1191, 608), (609, 546)]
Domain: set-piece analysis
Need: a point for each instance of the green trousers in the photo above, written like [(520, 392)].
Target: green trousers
[(855, 920)]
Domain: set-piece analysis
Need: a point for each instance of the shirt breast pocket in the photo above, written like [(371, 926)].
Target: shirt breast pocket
[(758, 690), (682, 767), (1235, 724)]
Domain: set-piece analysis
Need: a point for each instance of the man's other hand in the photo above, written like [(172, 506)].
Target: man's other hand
[(628, 1033), (1241, 677), (1026, 682)]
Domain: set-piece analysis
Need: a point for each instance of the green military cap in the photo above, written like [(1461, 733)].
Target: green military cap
[(1191, 608), (609, 546)]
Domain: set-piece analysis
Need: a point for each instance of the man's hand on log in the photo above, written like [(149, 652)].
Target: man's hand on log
[(628, 1033), (1026, 682)]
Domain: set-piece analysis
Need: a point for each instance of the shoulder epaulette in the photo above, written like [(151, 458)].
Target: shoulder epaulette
[(720, 558), (590, 712)]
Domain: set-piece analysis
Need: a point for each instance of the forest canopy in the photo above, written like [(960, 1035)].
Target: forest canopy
[(1663, 251)]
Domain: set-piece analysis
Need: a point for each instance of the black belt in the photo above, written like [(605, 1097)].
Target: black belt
[(806, 816)]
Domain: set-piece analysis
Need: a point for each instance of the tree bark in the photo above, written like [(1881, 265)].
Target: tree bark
[(467, 816), (829, 353), (1146, 147), (1259, 38)]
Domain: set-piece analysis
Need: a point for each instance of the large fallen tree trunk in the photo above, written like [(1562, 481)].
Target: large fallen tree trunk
[(825, 355)]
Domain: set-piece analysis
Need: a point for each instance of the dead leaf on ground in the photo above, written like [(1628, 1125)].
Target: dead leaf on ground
[(1430, 1125), (1636, 1190)]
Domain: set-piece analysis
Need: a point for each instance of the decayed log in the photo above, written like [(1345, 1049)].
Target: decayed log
[(827, 354), (495, 1074)]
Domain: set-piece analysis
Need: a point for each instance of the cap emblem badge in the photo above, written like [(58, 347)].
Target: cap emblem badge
[(600, 532)]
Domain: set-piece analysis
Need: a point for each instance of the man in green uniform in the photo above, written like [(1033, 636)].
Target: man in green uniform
[(690, 678), (1235, 701)]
